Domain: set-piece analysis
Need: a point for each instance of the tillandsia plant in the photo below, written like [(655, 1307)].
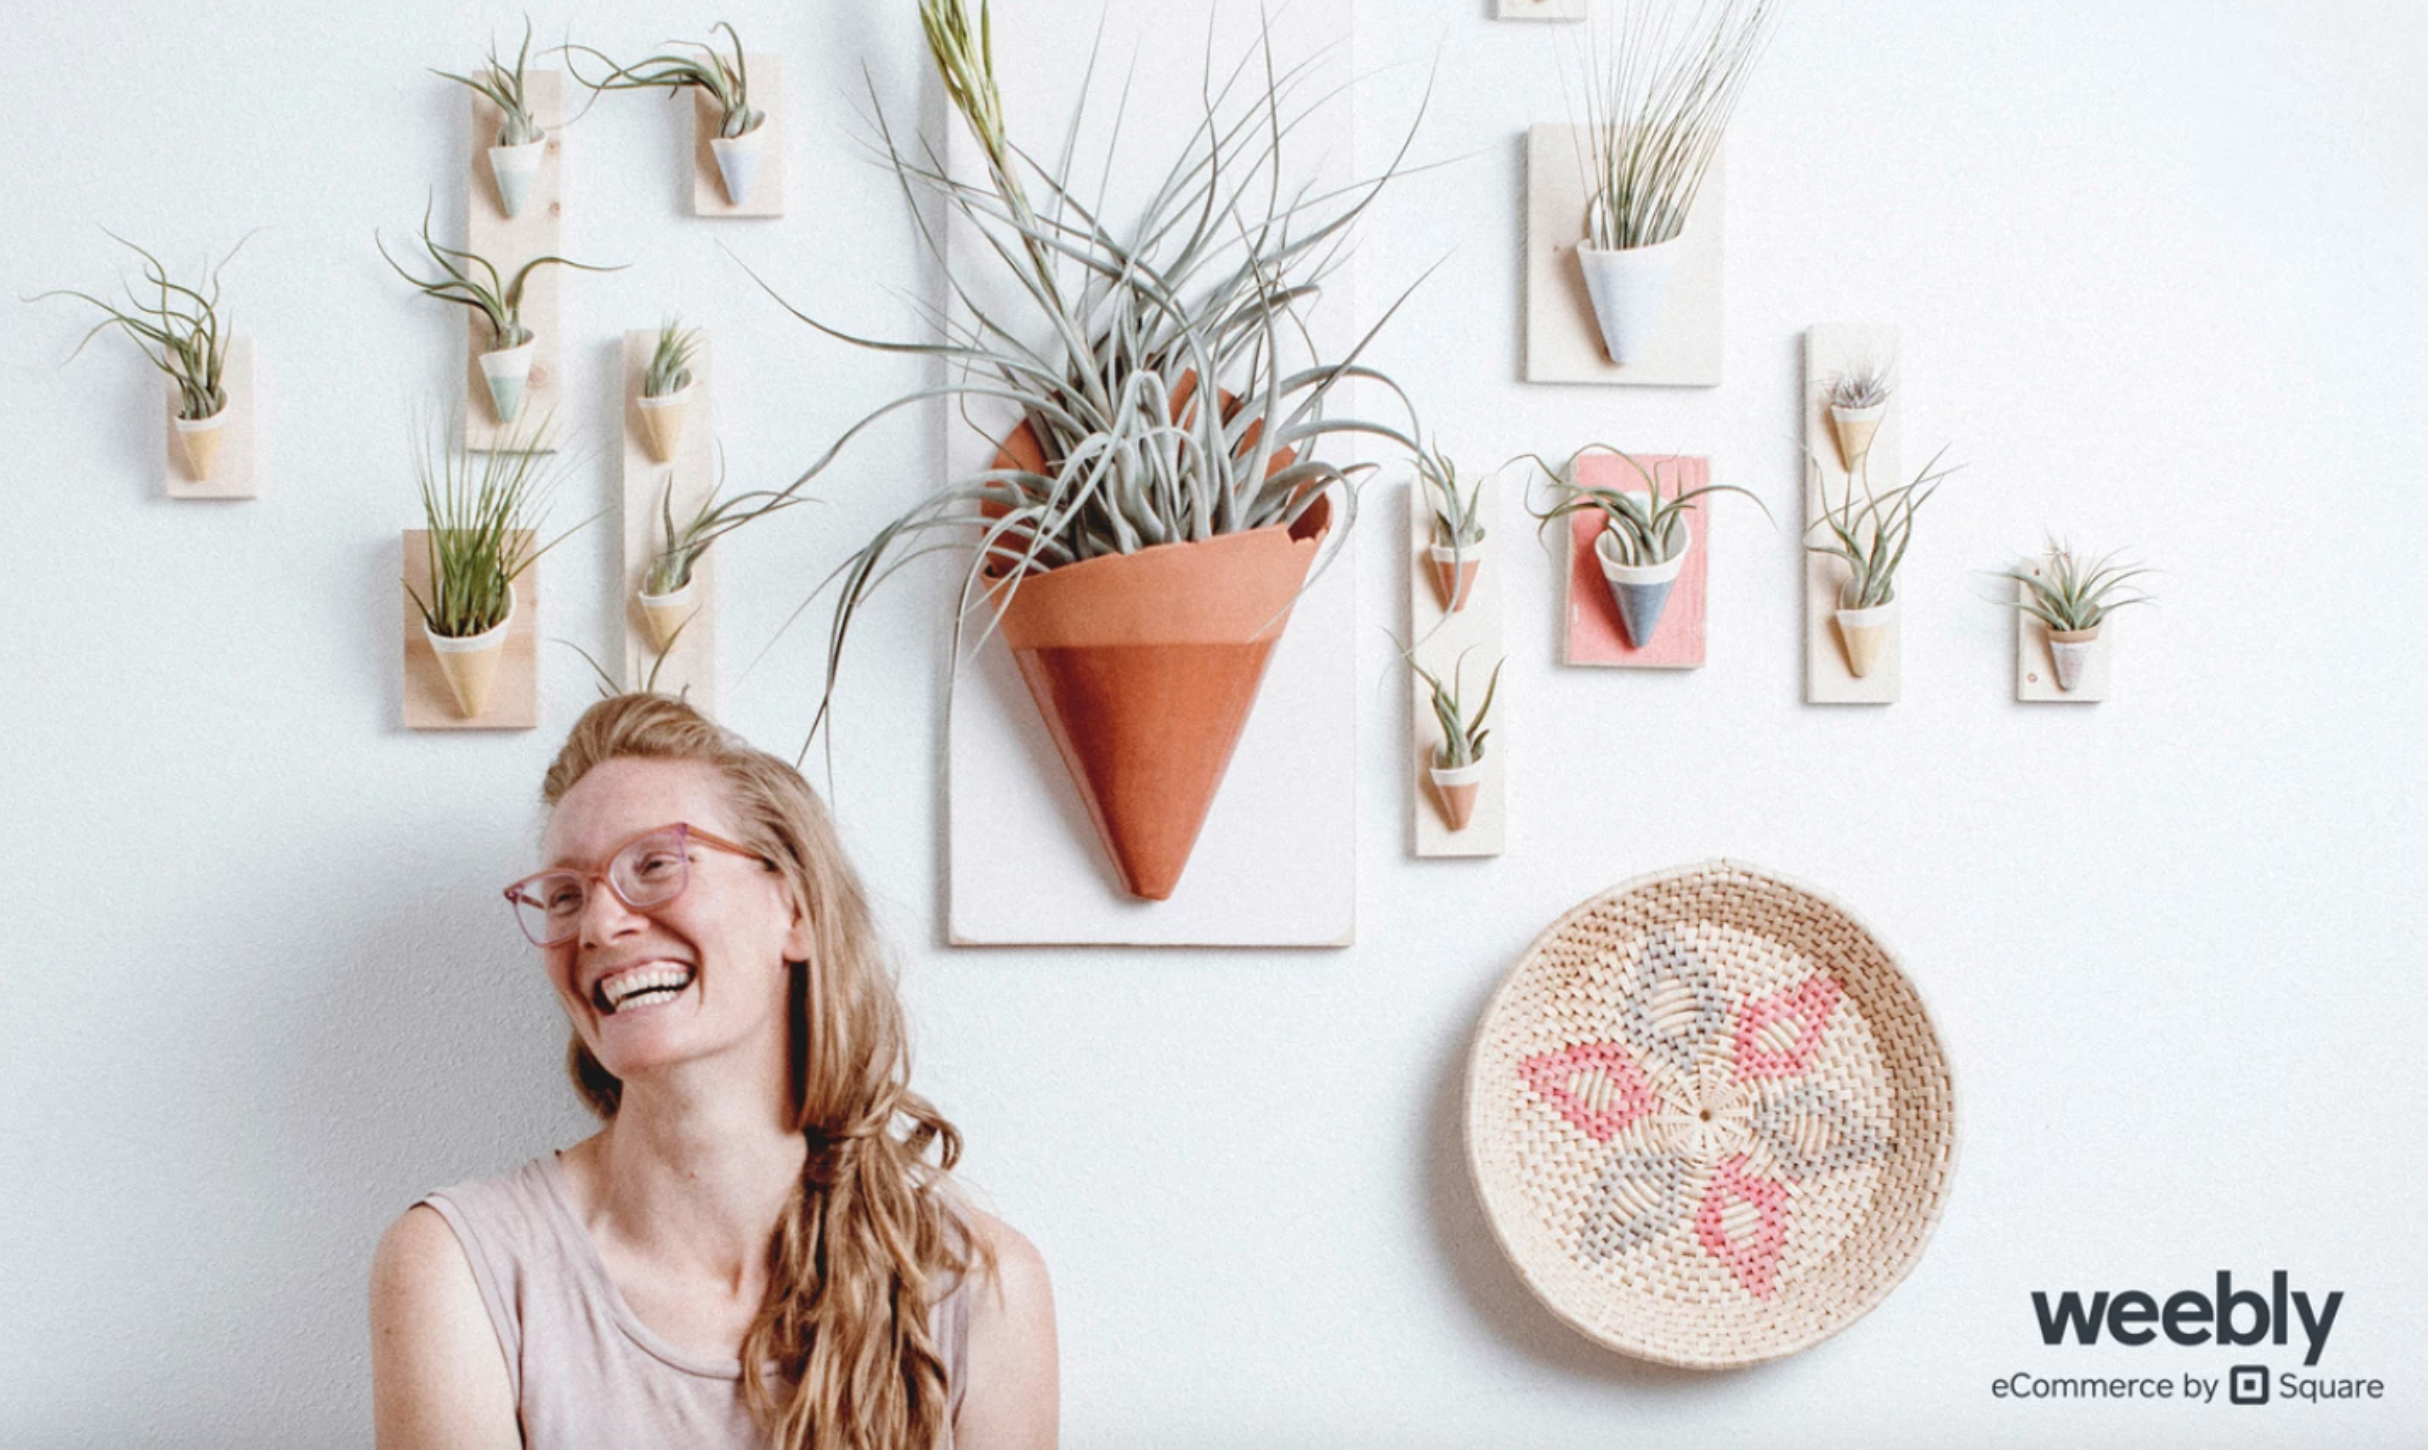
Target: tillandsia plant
[(1457, 510), (1642, 528), (670, 362), (473, 281), (1463, 732), (682, 544), (699, 65), (1658, 95), (1869, 532), (1861, 386), (2074, 595), (179, 328), (482, 512), (502, 86)]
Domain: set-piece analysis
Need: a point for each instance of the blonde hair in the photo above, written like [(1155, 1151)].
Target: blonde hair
[(869, 1239)]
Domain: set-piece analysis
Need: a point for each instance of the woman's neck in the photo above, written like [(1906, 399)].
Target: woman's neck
[(694, 1181)]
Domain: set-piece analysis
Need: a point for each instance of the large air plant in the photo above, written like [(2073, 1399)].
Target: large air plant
[(472, 281), (1642, 528), (1658, 88), (1163, 373), (1869, 532), (699, 65), (179, 328), (481, 511)]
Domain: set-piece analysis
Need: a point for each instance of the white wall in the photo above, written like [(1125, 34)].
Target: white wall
[(2159, 268)]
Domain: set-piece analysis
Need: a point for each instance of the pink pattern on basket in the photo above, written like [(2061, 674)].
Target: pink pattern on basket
[(1810, 1002), (1630, 1098), (1755, 1263)]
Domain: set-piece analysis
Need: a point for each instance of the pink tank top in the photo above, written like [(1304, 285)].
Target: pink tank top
[(587, 1374)]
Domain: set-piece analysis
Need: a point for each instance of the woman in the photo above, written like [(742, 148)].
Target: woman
[(755, 1250)]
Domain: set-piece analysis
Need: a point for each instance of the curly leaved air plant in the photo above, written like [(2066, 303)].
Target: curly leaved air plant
[(2076, 594), (1210, 283), (473, 281), (502, 86), (669, 369), (1657, 104), (179, 328), (1869, 534), (727, 83), (683, 544), (1643, 528)]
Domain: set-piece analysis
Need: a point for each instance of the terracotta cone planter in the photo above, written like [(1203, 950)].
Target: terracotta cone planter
[(1458, 788), (1454, 572), (470, 662), (1864, 631), (1146, 666), (667, 613), (2069, 650), (1856, 427), (662, 422), (1630, 290), (508, 371), (515, 169), (1641, 590), (738, 160), (201, 437)]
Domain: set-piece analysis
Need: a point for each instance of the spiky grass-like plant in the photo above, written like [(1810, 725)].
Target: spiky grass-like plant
[(1869, 532), (683, 544), (471, 280), (670, 365), (503, 86), (1658, 92), (1462, 734), (1643, 528), (1457, 511), (2075, 594), (482, 512), (179, 328), (727, 83), (1165, 372), (1861, 386)]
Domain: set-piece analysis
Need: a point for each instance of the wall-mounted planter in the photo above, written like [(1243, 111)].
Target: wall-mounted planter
[(2072, 667), (663, 420), (509, 222), (474, 684), (1454, 570), (1460, 812), (1641, 590), (507, 373), (216, 457), (1864, 635), (741, 177), (684, 663), (1858, 663), (199, 439), (1670, 633), (1657, 307), (1458, 788), (516, 170), (1855, 428)]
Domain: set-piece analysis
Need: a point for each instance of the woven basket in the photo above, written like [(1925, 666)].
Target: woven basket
[(1709, 1118)]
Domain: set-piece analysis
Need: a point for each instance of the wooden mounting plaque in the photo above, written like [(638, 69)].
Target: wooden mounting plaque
[(508, 243), (236, 473), (1829, 350), (707, 182), (690, 668), (1563, 342), (1591, 633), (2036, 669), (514, 702), (1439, 639)]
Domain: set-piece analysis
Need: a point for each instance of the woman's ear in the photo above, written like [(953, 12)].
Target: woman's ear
[(798, 938)]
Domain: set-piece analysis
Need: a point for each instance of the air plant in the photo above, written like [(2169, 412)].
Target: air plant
[(179, 328), (473, 281), (684, 544), (727, 83), (1457, 512), (482, 511), (1462, 734), (2075, 596), (1643, 529), (1861, 386), (502, 86), (1869, 532), (670, 365), (1658, 99)]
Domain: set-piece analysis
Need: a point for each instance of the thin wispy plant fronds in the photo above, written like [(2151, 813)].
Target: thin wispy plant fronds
[(1457, 509), (1643, 527), (1861, 386), (1658, 86), (471, 280), (2073, 593), (503, 86), (482, 512), (180, 329), (681, 545), (1165, 370), (1869, 532), (670, 362), (699, 64), (1463, 730)]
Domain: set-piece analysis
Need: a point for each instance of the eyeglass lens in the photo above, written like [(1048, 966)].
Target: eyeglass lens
[(649, 872)]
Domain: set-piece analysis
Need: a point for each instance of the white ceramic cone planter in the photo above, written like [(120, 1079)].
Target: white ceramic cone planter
[(1641, 590), (1856, 428), (1458, 786), (662, 422), (517, 169), (508, 371), (1864, 631), (667, 613), (1454, 572), (201, 437), (1630, 289), (470, 662), (738, 160), (2069, 650)]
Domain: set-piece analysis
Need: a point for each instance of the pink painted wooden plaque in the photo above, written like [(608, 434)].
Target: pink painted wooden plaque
[(1593, 634)]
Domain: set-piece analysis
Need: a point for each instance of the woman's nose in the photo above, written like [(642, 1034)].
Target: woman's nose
[(605, 916)]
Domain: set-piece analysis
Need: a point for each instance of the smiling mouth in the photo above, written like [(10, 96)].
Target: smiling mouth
[(648, 986)]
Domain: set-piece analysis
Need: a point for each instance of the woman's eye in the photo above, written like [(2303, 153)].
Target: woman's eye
[(562, 900), (658, 865)]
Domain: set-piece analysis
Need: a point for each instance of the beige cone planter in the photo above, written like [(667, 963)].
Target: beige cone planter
[(1863, 632), (1454, 572), (1458, 787), (470, 661), (200, 438), (666, 614), (662, 421), (2069, 651), (1856, 427)]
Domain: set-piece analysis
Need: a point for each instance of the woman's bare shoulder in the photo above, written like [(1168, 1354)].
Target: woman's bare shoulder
[(1013, 1399), (438, 1375)]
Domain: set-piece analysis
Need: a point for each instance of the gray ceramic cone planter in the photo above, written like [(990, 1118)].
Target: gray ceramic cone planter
[(517, 169), (1641, 591), (738, 161), (2069, 651), (508, 372), (1630, 289)]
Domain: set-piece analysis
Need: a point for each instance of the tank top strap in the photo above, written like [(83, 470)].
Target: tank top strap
[(516, 1248)]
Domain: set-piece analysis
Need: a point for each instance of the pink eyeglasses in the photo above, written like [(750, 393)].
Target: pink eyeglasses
[(643, 871)]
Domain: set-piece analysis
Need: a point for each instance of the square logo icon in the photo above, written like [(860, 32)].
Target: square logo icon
[(2247, 1384)]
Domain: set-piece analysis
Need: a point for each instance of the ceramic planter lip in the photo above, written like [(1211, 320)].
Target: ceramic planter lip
[(205, 423), (1466, 553), (2072, 636), (1641, 574), (464, 644), (679, 396), (1449, 775), (1867, 616), (680, 595), (1845, 414), (509, 359)]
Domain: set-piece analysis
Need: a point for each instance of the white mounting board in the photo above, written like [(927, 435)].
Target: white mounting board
[(1438, 639), (707, 183), (1830, 349), (237, 470), (690, 668), (1563, 342), (509, 242), (1276, 864), (2036, 670)]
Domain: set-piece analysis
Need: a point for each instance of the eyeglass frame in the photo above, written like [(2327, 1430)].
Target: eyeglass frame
[(686, 833)]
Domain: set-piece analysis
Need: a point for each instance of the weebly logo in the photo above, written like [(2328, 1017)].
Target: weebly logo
[(2232, 1317)]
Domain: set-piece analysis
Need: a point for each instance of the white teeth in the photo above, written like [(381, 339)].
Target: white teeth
[(643, 984)]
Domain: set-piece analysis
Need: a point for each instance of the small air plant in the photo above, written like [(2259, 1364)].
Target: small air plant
[(665, 400), (1644, 539), (1457, 767), (1858, 398), (666, 595), (473, 281), (1658, 96), (515, 158), (1869, 533), (1456, 552), (741, 127), (181, 332), (482, 512), (2072, 597)]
